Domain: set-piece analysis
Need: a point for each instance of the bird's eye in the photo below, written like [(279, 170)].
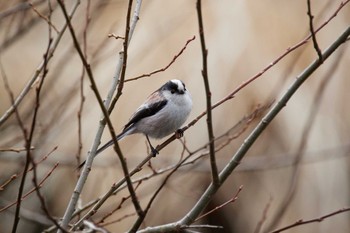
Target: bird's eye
[(172, 91)]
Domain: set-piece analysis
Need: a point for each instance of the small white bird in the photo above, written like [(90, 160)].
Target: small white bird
[(163, 113)]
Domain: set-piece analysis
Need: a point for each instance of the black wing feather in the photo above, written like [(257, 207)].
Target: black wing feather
[(146, 112)]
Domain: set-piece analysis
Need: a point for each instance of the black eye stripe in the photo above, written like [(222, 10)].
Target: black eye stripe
[(170, 86)]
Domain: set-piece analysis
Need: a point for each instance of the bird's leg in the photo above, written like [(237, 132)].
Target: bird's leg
[(179, 133), (154, 151)]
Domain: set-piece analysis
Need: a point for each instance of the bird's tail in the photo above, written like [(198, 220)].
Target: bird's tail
[(102, 148)]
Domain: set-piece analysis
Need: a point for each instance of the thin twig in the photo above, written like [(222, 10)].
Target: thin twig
[(140, 219), (214, 169), (48, 21), (320, 219), (48, 174), (167, 66), (81, 86), (15, 176), (28, 154), (232, 200), (263, 216), (17, 150), (134, 198), (22, 6), (313, 36)]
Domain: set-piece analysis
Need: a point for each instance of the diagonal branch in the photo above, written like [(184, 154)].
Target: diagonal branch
[(320, 219), (164, 68)]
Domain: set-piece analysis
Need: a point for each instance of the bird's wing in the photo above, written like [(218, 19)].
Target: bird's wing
[(145, 111)]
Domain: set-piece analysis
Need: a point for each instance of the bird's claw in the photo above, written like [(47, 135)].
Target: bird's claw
[(179, 133), (154, 151)]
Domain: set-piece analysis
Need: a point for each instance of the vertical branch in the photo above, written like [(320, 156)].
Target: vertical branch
[(81, 182), (26, 165), (124, 54), (28, 137), (134, 199), (313, 35), (214, 169), (34, 121), (82, 97)]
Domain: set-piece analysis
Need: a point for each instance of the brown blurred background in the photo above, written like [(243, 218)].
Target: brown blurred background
[(242, 37)]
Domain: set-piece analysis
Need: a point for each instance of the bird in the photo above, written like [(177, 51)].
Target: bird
[(162, 113)]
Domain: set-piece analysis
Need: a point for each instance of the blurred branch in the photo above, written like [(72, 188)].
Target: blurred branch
[(40, 184), (28, 154), (119, 206), (23, 6), (48, 21), (300, 152), (214, 169), (29, 138), (15, 176), (263, 216), (232, 200), (249, 141), (81, 86), (320, 219), (17, 150), (39, 69)]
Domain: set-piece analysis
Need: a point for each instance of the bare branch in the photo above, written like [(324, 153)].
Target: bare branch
[(167, 66), (48, 174), (48, 21), (232, 200), (214, 169), (313, 36), (263, 216), (320, 219)]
